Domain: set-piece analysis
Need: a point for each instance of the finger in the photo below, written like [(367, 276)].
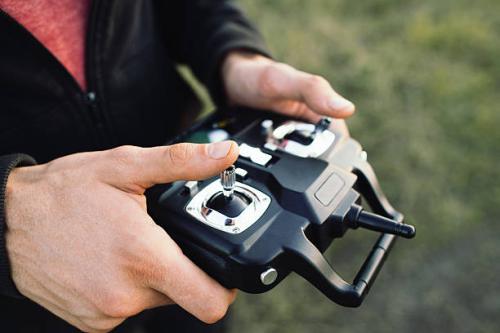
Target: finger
[(85, 325), (320, 97), (301, 110), (297, 109), (285, 82), (184, 161), (153, 298), (187, 285)]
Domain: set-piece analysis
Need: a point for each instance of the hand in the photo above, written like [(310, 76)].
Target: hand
[(259, 82), (81, 244)]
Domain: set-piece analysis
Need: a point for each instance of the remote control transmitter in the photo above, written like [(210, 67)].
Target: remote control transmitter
[(295, 187)]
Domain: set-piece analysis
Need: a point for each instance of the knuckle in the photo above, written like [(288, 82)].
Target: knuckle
[(146, 268), (268, 84), (215, 312), (179, 154), (59, 179), (112, 304), (156, 268), (125, 154), (316, 80)]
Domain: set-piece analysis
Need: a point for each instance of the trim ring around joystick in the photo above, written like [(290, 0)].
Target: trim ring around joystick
[(197, 207)]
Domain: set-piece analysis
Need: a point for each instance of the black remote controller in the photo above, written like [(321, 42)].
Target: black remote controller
[(294, 188)]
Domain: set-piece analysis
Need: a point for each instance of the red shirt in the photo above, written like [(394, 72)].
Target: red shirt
[(60, 25)]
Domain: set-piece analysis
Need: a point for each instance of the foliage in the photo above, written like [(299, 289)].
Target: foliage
[(425, 76)]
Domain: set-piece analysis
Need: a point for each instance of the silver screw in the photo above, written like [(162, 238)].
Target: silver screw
[(269, 276), (363, 155)]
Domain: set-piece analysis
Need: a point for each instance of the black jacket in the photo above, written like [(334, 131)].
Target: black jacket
[(135, 94)]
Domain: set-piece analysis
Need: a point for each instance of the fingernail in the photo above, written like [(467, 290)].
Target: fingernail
[(340, 103), (219, 150)]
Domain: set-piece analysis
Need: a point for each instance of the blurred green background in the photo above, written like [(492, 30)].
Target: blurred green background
[(425, 76)]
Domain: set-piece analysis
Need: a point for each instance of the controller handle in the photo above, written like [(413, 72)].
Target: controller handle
[(310, 263)]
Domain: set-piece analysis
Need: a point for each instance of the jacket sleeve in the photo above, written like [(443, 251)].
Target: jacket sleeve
[(201, 32), (7, 163)]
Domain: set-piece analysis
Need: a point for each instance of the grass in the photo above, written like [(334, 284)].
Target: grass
[(425, 76)]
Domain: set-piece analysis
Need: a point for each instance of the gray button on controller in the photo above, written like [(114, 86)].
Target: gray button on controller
[(329, 189)]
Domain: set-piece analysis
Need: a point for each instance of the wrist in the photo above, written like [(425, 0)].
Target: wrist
[(239, 70), (235, 58), (7, 165), (17, 181)]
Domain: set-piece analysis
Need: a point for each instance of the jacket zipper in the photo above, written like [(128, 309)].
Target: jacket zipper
[(90, 98)]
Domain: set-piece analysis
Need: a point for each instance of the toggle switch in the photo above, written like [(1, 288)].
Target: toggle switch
[(241, 173), (254, 154), (191, 187)]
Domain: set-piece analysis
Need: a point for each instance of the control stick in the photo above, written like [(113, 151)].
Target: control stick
[(322, 125), (229, 203), (228, 180)]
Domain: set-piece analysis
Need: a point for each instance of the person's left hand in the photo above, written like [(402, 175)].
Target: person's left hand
[(259, 82)]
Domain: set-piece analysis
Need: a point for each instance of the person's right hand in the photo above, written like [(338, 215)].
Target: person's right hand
[(82, 245)]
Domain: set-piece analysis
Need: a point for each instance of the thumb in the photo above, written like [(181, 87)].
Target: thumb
[(288, 83), (146, 167), (319, 96)]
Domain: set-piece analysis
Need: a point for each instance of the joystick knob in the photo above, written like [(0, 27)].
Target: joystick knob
[(229, 203), (267, 127), (228, 180), (322, 125)]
